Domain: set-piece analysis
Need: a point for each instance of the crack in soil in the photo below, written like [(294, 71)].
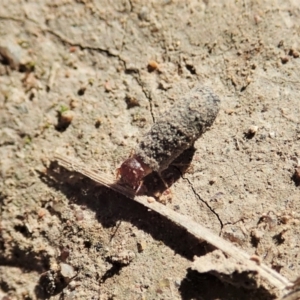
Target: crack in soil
[(108, 53), (205, 202), (64, 40), (147, 95)]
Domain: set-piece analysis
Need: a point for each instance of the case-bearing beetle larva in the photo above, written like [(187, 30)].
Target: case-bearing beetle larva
[(174, 131)]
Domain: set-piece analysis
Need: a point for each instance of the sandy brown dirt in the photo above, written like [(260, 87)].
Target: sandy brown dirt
[(90, 59)]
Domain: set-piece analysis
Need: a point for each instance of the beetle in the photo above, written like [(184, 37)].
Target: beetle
[(174, 131)]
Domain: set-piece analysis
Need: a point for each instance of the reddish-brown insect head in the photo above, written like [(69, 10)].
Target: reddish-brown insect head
[(131, 172)]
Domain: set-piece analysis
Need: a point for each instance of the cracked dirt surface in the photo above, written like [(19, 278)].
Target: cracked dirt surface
[(116, 65)]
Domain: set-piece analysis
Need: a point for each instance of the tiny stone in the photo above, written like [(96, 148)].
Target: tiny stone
[(164, 283), (165, 197), (79, 215), (294, 53), (98, 123), (73, 103), (150, 199), (107, 86), (10, 55), (284, 59), (41, 213), (296, 176), (212, 181), (66, 270), (152, 65), (257, 234), (64, 253), (229, 111), (54, 267), (177, 282), (28, 227), (131, 101), (8, 136), (272, 134), (285, 219), (144, 14), (81, 91), (252, 129), (176, 207), (141, 246), (70, 295), (66, 117), (256, 259)]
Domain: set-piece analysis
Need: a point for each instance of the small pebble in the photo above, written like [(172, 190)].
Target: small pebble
[(230, 111), (72, 49), (256, 259), (54, 267), (164, 283), (70, 295), (212, 180), (64, 254), (10, 55), (74, 103), (177, 282), (294, 53), (141, 246), (41, 213), (296, 176), (280, 44), (284, 59), (67, 270), (257, 234), (144, 14), (165, 197), (108, 86), (252, 129), (150, 199), (285, 219), (131, 101), (152, 65), (79, 215), (272, 134), (66, 117), (257, 19), (81, 91), (98, 123)]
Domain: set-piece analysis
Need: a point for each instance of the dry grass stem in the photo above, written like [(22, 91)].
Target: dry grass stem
[(197, 230)]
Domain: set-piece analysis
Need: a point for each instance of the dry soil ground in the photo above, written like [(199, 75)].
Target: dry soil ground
[(87, 78)]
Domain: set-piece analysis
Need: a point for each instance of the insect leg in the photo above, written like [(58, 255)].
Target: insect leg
[(139, 187), (163, 181)]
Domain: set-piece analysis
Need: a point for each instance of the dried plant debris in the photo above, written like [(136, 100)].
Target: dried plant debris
[(250, 266), (228, 269), (122, 258), (295, 293)]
